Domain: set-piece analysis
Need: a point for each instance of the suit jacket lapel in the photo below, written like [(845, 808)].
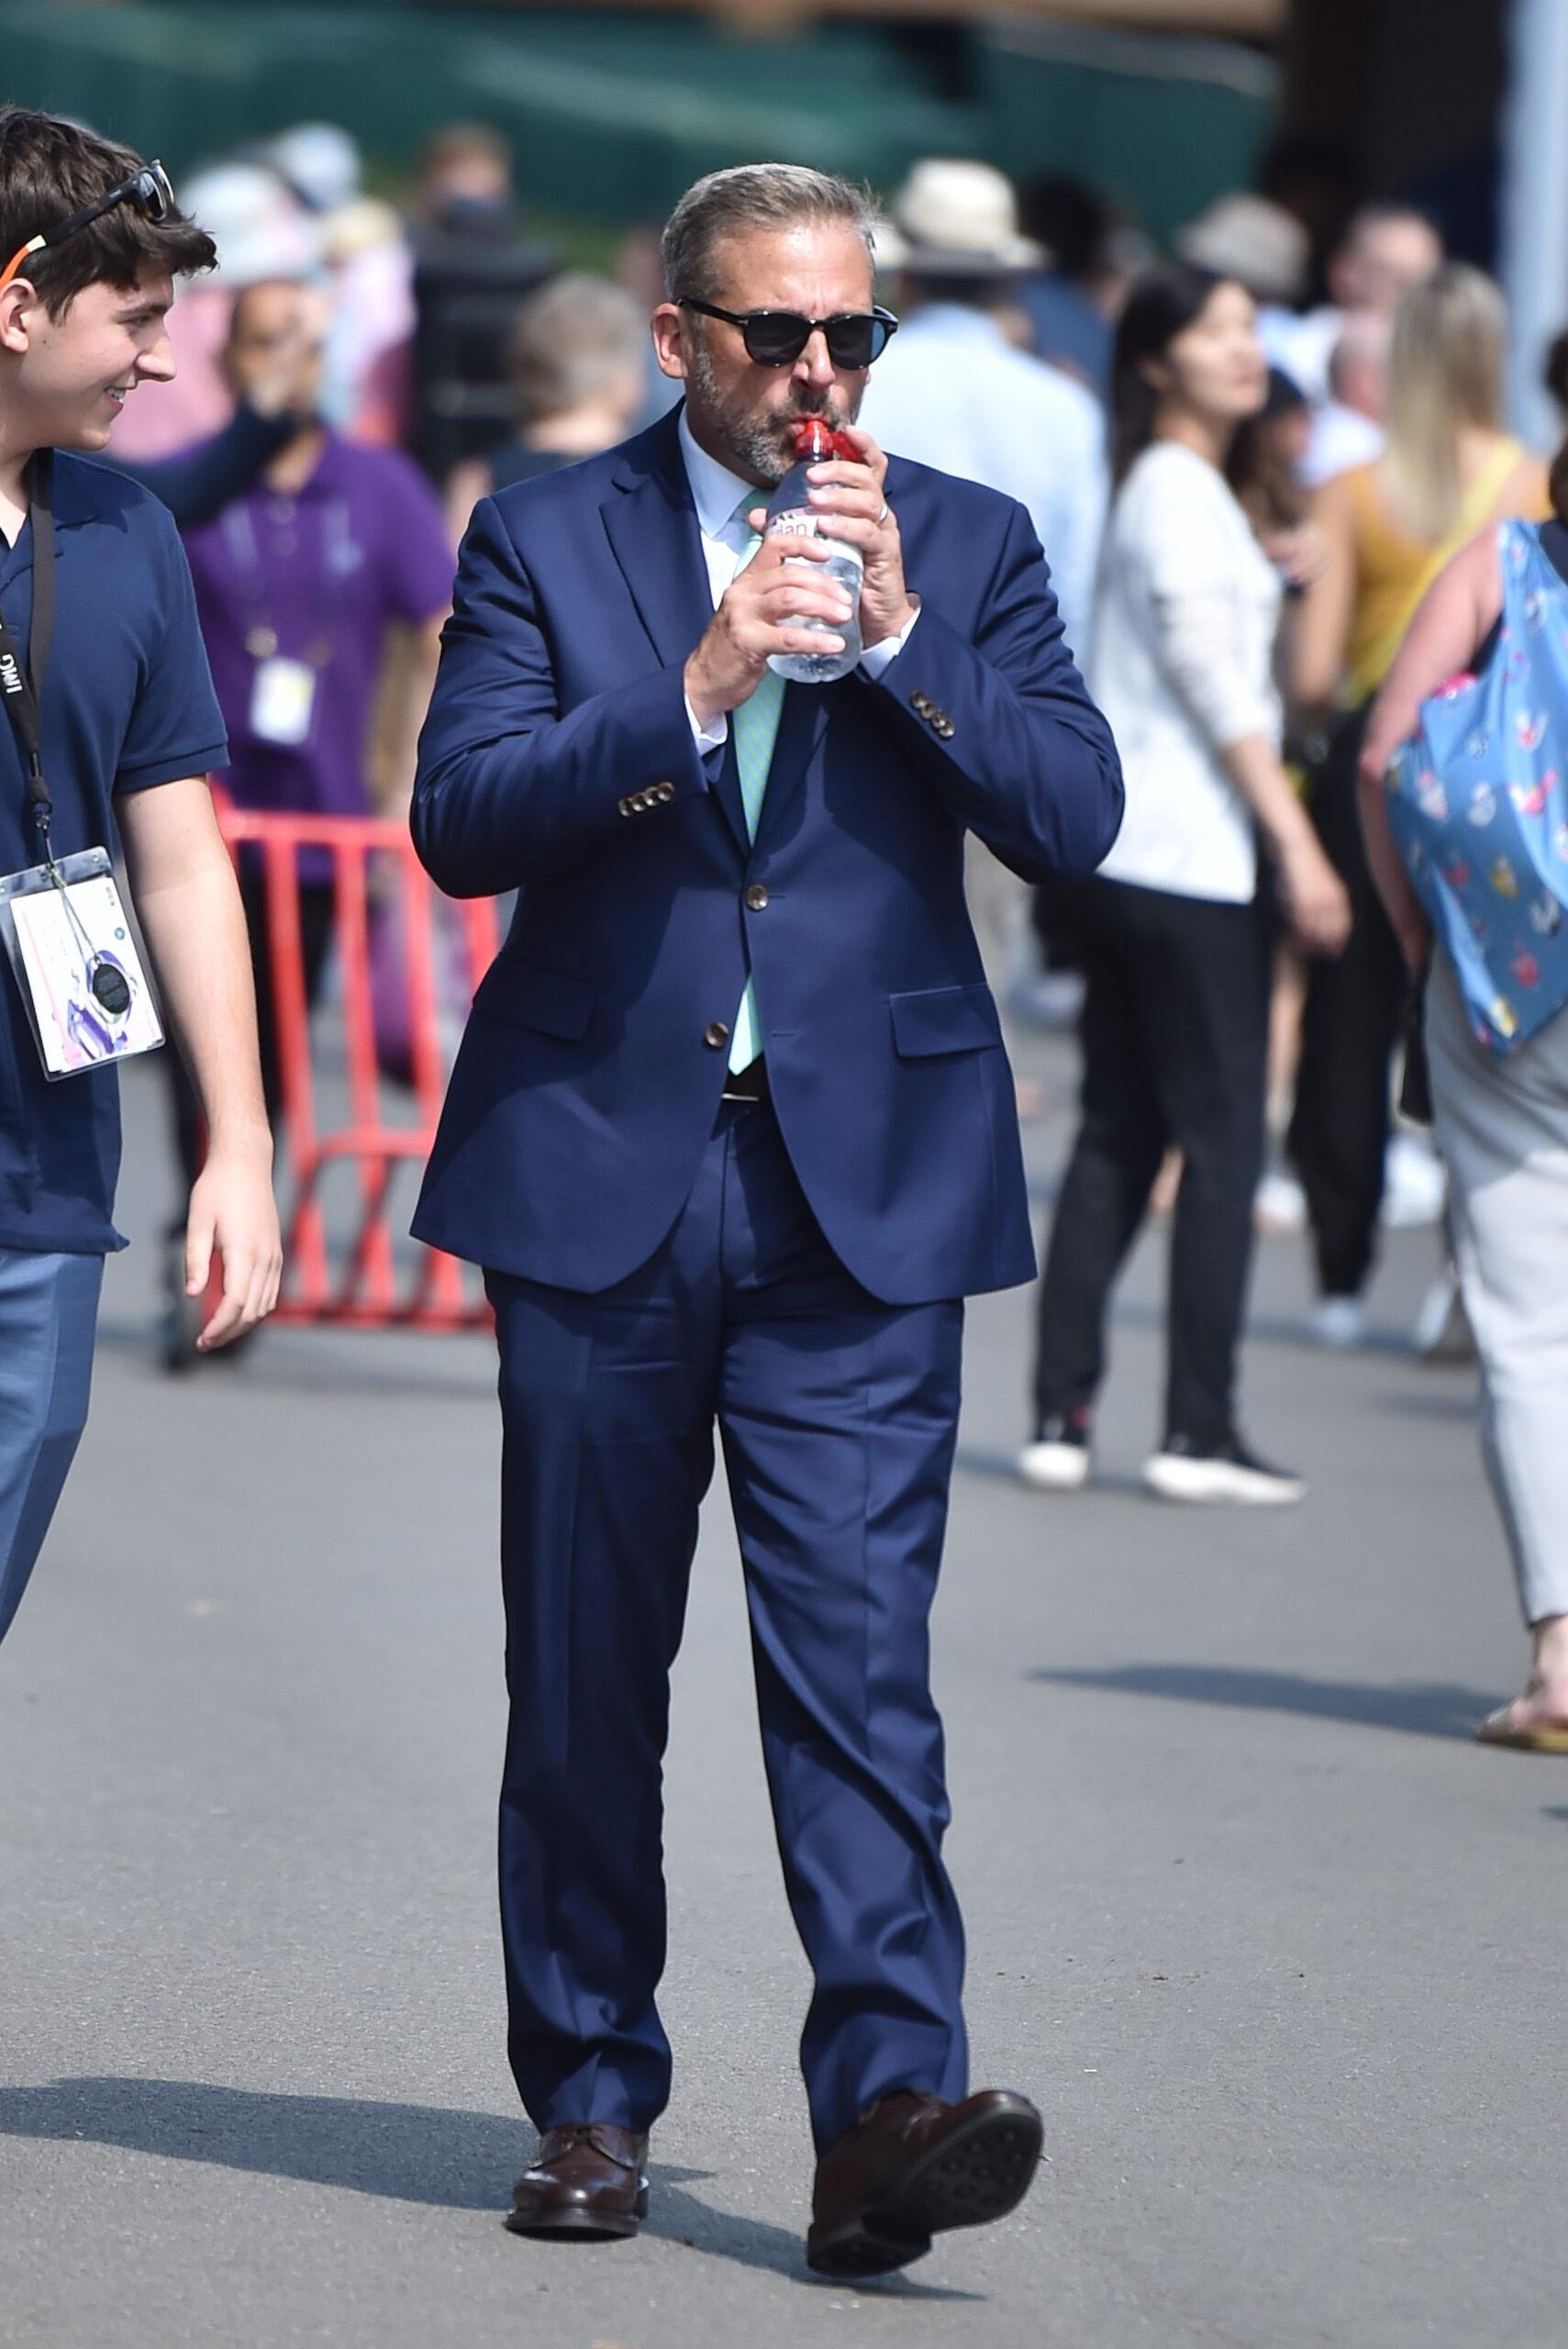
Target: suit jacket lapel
[(652, 530)]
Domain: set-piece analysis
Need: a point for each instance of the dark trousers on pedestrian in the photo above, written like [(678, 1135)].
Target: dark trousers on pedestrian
[(1340, 1129), (837, 1417), (1174, 1035), (49, 1319), (316, 902)]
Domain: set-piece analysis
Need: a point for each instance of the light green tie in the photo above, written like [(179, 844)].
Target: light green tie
[(756, 728)]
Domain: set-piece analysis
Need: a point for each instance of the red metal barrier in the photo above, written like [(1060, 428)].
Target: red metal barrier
[(356, 1284)]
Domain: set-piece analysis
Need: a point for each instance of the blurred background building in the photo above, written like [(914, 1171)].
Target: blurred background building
[(608, 110)]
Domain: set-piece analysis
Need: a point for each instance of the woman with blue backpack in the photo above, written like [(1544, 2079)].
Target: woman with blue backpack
[(1464, 806), (1448, 470)]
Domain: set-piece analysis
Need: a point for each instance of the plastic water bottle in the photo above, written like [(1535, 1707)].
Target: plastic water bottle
[(792, 514)]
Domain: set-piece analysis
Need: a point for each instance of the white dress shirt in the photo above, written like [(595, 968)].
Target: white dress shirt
[(950, 391), (718, 495), (1181, 664)]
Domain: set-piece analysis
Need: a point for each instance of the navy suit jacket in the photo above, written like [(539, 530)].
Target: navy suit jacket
[(558, 758)]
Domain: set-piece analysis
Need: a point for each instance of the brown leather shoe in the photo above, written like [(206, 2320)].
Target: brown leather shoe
[(912, 2165), (585, 2180)]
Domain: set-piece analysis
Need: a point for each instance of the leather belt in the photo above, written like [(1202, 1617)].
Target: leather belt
[(748, 1084)]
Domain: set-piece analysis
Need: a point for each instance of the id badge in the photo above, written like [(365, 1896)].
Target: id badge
[(283, 697), (88, 1000)]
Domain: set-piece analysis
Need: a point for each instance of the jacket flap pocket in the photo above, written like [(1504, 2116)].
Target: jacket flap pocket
[(550, 1001), (944, 1019)]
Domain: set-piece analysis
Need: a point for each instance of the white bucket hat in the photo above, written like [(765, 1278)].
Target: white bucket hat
[(261, 228), (1258, 244), (953, 218)]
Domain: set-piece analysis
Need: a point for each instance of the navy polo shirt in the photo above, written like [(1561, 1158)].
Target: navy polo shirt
[(127, 703)]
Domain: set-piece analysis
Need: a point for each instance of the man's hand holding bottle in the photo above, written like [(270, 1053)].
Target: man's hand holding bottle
[(772, 611)]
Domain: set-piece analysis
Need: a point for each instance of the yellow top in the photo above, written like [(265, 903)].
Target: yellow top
[(1393, 571)]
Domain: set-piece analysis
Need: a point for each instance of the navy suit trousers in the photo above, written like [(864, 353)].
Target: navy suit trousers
[(838, 1416)]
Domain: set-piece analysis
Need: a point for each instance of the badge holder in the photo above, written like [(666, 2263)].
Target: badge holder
[(88, 1000), (283, 697)]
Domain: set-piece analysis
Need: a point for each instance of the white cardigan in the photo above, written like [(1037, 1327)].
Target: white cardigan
[(1181, 662)]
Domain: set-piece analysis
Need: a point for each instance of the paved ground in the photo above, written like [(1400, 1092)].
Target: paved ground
[(1276, 1948)]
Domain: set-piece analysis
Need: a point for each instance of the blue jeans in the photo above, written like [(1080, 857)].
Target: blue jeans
[(49, 1318), (838, 1416)]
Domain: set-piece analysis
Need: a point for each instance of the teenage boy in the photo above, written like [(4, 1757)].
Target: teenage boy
[(110, 728)]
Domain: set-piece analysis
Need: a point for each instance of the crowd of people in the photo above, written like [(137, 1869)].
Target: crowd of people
[(1246, 464), (1318, 521), (1282, 531)]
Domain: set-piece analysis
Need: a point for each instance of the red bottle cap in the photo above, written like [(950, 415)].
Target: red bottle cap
[(814, 439)]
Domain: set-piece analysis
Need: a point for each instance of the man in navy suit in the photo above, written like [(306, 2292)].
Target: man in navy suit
[(732, 1133)]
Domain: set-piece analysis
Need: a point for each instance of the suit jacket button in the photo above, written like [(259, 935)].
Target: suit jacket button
[(756, 897), (663, 791), (624, 806), (920, 703), (716, 1035), (946, 729)]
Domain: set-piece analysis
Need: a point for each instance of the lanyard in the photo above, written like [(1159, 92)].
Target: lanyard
[(20, 688), (261, 639), (21, 684)]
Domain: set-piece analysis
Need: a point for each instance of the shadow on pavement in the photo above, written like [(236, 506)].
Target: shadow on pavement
[(1420, 1707), (459, 2160), (753, 2242), (409, 2153)]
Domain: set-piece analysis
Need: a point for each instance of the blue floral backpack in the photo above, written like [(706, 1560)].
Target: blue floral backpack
[(1478, 804)]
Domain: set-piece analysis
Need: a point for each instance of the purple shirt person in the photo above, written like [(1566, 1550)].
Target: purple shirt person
[(298, 581)]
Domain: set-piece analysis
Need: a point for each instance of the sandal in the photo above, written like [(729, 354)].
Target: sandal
[(1548, 1737)]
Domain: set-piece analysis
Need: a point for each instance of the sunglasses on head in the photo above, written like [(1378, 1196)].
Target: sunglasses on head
[(147, 187), (777, 338)]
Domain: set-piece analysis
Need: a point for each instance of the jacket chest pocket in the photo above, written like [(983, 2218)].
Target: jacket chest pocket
[(936, 1020)]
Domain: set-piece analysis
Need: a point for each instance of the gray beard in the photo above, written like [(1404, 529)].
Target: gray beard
[(757, 450)]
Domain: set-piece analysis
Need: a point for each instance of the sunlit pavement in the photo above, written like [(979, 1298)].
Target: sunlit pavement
[(1275, 1947)]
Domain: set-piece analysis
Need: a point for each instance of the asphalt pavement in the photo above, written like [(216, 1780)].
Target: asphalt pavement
[(1277, 1949)]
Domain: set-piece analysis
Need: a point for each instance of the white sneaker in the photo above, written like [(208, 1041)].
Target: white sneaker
[(1340, 1322), (1415, 1183), (1058, 1459), (1279, 1204), (1180, 1472)]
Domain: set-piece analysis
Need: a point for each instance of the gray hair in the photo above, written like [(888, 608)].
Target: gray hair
[(573, 341), (755, 195)]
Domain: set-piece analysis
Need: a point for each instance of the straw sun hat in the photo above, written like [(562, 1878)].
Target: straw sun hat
[(952, 219)]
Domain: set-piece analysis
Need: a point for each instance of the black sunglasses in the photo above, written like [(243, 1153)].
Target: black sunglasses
[(147, 187), (777, 338)]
